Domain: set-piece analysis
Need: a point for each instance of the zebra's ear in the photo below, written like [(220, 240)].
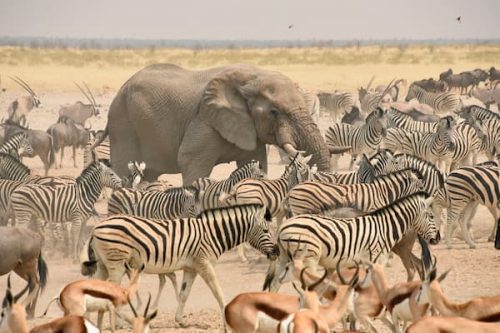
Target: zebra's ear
[(94, 155), (428, 201), (142, 166), (131, 166)]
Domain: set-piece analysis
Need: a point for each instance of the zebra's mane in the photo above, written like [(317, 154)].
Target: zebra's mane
[(267, 215), (12, 159), (382, 210), (480, 110), (88, 171), (180, 189), (426, 163), (417, 172), (241, 170), (373, 114)]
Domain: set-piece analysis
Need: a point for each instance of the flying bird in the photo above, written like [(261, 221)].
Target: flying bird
[(459, 19), (290, 26)]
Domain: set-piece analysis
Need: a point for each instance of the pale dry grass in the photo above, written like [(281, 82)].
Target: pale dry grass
[(313, 68)]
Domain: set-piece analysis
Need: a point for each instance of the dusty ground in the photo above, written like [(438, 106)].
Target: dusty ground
[(475, 272)]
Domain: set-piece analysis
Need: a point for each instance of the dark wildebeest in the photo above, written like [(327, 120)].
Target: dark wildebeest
[(463, 80), (67, 133), (479, 76), (431, 85), (18, 110), (21, 251), (494, 76), (353, 117), (40, 141), (80, 112)]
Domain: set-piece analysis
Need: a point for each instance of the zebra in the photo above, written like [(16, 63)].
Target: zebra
[(269, 192), (464, 189), (135, 176), (396, 118), (102, 151), (326, 241), (369, 101), (368, 169), (441, 102), (491, 124), (170, 204), (429, 146), (363, 139), (468, 142), (336, 103), (18, 144), (190, 244), (71, 203), (209, 197), (316, 198)]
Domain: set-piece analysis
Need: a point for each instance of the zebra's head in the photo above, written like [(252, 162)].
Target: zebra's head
[(109, 177), (298, 170), (424, 224), (259, 236), (377, 120), (445, 132), (25, 145)]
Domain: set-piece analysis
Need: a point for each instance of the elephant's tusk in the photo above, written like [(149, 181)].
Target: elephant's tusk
[(338, 150), (291, 150)]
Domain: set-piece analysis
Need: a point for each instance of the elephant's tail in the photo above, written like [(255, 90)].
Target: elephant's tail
[(101, 138), (52, 151)]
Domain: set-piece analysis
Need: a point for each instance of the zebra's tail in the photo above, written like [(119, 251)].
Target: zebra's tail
[(43, 271), (497, 238), (88, 259)]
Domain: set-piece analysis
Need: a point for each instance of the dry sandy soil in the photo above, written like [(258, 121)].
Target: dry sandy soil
[(474, 273)]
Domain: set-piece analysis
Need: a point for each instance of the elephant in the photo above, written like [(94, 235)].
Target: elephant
[(180, 120)]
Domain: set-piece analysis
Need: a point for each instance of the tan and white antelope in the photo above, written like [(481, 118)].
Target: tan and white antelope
[(140, 324), (315, 317), (93, 295), (452, 324), (486, 309), (13, 318)]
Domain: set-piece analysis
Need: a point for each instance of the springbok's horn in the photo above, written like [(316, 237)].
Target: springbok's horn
[(386, 90), (22, 85), (84, 93), (370, 83), (27, 86)]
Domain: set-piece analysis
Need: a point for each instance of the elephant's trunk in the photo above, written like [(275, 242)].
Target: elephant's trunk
[(306, 136)]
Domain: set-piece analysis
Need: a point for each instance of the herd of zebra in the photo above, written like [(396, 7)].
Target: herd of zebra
[(408, 172)]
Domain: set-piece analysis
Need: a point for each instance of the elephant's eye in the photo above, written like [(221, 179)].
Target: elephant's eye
[(274, 112)]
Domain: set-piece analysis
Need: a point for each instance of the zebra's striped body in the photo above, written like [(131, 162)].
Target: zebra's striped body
[(170, 204), (315, 198), (468, 142), (441, 102), (71, 203), (398, 119), (335, 104), (464, 189), (269, 192), (326, 241), (491, 124), (369, 101), (361, 140), (135, 176), (19, 143), (158, 185), (429, 146), (192, 245), (209, 198)]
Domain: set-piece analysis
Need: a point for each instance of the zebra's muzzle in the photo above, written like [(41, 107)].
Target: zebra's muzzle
[(274, 254), (434, 241)]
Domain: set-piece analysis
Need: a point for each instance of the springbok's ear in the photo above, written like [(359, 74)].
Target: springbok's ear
[(151, 316)]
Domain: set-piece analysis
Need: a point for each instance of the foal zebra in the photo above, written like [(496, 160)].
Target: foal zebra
[(361, 140), (318, 240), (19, 143), (191, 244), (441, 102), (70, 203), (464, 189)]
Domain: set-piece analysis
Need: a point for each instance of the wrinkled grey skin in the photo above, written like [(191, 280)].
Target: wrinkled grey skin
[(177, 120), (40, 141)]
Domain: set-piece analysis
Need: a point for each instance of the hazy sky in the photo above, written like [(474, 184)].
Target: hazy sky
[(251, 19)]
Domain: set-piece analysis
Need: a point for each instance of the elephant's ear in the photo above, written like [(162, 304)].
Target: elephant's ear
[(224, 107)]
